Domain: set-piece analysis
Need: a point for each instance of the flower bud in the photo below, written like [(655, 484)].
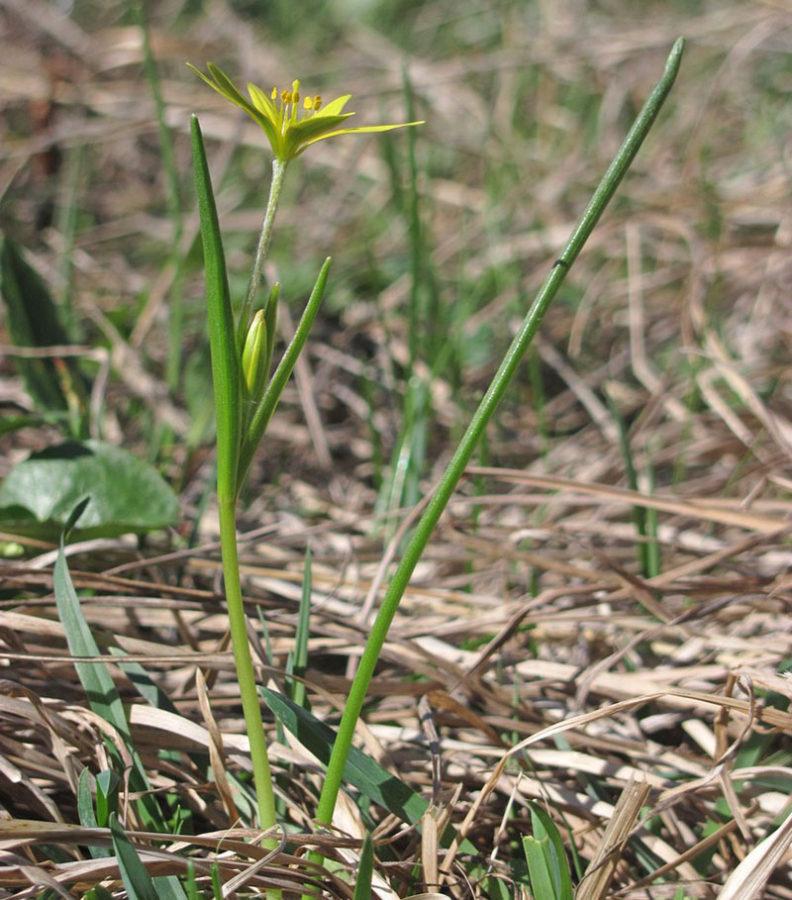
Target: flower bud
[(254, 370)]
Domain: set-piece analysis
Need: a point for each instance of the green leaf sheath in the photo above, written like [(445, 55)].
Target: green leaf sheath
[(222, 341), (478, 423)]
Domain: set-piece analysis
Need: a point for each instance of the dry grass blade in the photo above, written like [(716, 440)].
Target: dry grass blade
[(216, 752), (748, 880), (705, 510), (602, 867)]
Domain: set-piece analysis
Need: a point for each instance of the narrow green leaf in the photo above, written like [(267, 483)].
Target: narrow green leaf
[(545, 831), (95, 678), (98, 893), (269, 401), (107, 783), (33, 321), (368, 776), (300, 653), (222, 339), (85, 811), (365, 871), (541, 882), (217, 884), (137, 881), (191, 883), (497, 889)]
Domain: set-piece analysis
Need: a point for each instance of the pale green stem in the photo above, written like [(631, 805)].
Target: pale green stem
[(246, 676), (461, 457), (276, 185)]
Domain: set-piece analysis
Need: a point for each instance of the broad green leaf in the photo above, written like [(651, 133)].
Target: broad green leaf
[(365, 871), (125, 494)]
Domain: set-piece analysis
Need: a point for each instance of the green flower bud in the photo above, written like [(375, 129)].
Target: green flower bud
[(254, 369)]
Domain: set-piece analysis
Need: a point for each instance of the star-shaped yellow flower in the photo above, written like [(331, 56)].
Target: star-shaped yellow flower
[(290, 128)]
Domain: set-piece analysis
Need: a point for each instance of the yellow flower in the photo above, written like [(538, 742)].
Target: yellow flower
[(290, 128)]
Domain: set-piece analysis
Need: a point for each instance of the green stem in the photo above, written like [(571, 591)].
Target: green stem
[(276, 185), (490, 401), (246, 677)]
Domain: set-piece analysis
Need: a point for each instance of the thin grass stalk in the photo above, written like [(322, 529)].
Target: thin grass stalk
[(483, 414)]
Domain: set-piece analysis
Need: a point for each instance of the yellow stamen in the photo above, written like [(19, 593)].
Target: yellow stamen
[(308, 103), (274, 94), (317, 102), (285, 96)]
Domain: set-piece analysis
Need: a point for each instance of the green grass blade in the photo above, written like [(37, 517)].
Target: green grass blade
[(217, 884), (222, 339), (538, 870), (95, 678), (33, 320), (272, 395), (85, 811), (368, 776), (365, 871), (137, 881), (300, 655), (545, 830)]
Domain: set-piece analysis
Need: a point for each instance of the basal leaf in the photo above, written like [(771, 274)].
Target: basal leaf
[(125, 494)]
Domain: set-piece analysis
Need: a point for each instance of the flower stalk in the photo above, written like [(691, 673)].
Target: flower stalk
[(265, 237)]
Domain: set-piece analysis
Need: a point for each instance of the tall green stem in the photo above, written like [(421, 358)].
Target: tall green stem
[(246, 677), (276, 185), (483, 414)]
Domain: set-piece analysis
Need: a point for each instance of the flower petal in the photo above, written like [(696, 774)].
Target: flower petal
[(221, 83), (263, 103), (364, 129), (334, 107), (307, 130)]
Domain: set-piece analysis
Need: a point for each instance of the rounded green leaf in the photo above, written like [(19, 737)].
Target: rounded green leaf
[(125, 494)]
